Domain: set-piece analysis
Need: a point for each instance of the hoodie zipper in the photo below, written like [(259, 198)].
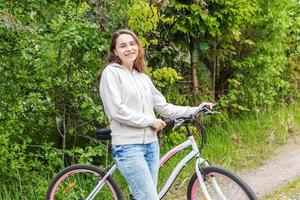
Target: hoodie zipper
[(141, 97)]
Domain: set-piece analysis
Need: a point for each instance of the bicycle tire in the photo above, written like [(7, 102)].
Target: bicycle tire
[(233, 187), (77, 181)]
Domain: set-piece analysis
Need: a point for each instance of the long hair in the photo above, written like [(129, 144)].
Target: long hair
[(139, 63)]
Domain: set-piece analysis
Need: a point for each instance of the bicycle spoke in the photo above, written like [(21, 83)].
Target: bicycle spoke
[(78, 183), (221, 185)]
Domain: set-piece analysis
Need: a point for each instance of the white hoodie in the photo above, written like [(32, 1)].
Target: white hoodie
[(129, 99)]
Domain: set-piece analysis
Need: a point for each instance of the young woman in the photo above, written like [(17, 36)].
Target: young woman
[(129, 99)]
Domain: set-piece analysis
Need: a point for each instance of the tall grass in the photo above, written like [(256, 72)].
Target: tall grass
[(249, 141), (33, 187)]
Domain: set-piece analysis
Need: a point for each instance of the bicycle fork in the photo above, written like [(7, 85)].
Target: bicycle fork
[(201, 181)]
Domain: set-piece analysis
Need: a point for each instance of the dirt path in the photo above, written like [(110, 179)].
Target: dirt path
[(281, 168)]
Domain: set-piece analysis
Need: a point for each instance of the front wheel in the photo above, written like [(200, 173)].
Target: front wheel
[(77, 182), (220, 184)]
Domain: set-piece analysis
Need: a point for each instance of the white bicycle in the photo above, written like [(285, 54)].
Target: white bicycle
[(87, 182)]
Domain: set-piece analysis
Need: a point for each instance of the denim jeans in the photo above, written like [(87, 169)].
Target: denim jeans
[(139, 164)]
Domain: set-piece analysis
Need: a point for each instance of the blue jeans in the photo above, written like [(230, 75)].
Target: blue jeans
[(139, 164)]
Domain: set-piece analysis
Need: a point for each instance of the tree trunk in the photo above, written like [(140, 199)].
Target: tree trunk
[(221, 82), (195, 86), (214, 70)]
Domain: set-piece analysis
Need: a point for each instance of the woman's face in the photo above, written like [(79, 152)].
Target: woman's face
[(126, 49)]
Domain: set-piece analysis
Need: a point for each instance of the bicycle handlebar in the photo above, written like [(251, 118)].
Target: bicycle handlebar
[(104, 133), (180, 120), (186, 120)]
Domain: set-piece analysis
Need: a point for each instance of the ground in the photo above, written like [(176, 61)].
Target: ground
[(282, 167)]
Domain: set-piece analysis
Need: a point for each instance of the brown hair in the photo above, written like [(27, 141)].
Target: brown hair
[(139, 63)]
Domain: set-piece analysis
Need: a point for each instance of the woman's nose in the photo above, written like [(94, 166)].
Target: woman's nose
[(128, 48)]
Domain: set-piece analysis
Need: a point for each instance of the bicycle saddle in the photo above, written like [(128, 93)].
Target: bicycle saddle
[(103, 134)]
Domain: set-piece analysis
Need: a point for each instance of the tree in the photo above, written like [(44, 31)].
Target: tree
[(50, 60)]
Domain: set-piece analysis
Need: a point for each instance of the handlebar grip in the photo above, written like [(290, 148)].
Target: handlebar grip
[(206, 107)]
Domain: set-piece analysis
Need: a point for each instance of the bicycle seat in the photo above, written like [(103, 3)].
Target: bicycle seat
[(103, 134)]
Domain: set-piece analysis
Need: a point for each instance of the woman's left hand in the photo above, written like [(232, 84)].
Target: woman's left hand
[(207, 104)]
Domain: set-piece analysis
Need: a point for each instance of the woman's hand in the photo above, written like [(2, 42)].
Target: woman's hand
[(207, 104), (158, 124)]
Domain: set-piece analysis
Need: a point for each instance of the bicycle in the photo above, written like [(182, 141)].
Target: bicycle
[(207, 183)]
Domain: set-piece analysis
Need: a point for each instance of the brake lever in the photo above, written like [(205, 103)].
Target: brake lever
[(209, 112)]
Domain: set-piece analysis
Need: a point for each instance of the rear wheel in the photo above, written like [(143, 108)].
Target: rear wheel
[(77, 182), (231, 186)]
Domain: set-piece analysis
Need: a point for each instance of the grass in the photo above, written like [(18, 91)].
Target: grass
[(246, 142), (236, 144), (290, 191), (33, 188)]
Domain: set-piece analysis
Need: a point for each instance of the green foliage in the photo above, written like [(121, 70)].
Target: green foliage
[(164, 77), (87, 154), (172, 138), (51, 51), (166, 81), (143, 18), (50, 60), (259, 82)]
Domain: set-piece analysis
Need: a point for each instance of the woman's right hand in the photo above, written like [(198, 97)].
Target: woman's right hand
[(207, 104), (158, 124)]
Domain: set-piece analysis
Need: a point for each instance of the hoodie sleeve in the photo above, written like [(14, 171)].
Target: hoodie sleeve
[(110, 92), (165, 109)]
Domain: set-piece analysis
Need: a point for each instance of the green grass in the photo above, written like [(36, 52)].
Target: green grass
[(33, 188), (244, 143), (236, 144), (290, 191)]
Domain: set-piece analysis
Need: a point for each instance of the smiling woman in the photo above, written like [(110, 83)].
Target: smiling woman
[(129, 100), (130, 40), (126, 50)]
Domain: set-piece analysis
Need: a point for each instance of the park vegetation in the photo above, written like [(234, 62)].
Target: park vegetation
[(243, 54)]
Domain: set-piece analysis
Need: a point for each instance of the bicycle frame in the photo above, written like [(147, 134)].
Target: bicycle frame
[(193, 153), (101, 182)]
